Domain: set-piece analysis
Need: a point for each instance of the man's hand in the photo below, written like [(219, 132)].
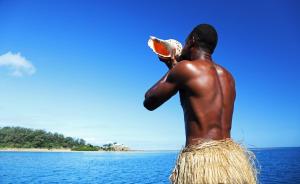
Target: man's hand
[(169, 61)]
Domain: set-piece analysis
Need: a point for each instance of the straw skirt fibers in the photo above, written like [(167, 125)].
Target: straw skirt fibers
[(214, 162)]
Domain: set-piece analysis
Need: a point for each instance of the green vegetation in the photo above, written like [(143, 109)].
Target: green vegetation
[(18, 137), (88, 147)]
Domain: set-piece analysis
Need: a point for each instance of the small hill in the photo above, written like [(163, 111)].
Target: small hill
[(19, 137)]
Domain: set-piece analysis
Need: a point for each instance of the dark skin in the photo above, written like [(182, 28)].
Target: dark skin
[(207, 94)]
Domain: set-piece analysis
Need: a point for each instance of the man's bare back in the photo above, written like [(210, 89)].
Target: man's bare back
[(207, 99), (207, 94)]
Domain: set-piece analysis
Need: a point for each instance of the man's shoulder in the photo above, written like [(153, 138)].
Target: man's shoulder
[(183, 68), (221, 69), (192, 68), (224, 72), (180, 72)]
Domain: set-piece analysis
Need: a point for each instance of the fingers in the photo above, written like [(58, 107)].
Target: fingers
[(173, 57), (163, 59), (173, 53)]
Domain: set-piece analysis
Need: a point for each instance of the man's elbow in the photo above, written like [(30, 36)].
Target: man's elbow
[(149, 105)]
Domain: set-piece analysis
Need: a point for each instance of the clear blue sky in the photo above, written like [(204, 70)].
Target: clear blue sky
[(92, 67)]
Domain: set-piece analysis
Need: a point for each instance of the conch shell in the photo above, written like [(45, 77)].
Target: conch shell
[(164, 48)]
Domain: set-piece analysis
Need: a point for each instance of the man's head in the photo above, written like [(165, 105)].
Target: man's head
[(204, 37)]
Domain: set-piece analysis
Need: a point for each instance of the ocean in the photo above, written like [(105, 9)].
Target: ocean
[(278, 165)]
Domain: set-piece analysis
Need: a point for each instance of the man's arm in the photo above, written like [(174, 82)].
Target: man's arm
[(163, 90), (168, 85)]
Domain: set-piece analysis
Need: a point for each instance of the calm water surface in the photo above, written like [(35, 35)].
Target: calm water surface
[(280, 165)]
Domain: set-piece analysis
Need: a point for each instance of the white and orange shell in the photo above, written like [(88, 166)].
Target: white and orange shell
[(164, 47)]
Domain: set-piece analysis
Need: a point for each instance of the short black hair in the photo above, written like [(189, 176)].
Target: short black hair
[(204, 36)]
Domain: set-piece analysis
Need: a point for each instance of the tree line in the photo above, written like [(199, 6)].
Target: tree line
[(19, 137)]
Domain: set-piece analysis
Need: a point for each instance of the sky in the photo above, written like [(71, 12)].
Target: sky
[(81, 68)]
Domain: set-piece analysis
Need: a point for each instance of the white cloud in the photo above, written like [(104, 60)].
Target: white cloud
[(18, 64)]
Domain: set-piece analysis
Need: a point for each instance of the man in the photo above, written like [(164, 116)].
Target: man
[(207, 95)]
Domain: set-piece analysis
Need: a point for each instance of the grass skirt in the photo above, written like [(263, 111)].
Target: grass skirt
[(213, 162)]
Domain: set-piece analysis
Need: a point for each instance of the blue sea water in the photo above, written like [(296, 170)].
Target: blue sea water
[(278, 165)]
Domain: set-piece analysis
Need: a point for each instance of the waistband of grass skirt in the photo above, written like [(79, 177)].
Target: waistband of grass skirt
[(205, 143)]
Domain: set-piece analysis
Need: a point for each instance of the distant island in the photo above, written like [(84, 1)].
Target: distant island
[(26, 138)]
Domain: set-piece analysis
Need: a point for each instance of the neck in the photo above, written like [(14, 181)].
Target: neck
[(196, 54)]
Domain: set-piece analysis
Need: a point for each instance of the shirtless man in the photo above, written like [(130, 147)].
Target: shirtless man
[(206, 89)]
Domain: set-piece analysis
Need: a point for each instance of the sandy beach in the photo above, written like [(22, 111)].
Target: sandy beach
[(34, 150)]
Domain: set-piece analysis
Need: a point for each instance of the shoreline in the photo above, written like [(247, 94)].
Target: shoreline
[(34, 150), (69, 150), (53, 150)]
